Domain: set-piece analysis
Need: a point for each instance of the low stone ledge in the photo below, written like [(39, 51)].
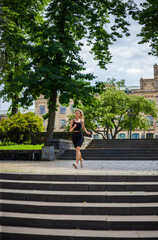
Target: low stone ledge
[(48, 153), (87, 140), (59, 147), (20, 155)]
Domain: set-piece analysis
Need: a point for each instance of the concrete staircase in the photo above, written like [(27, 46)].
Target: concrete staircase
[(78, 207), (118, 149)]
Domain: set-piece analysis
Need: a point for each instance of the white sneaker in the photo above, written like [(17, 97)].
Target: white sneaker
[(75, 165), (81, 163)]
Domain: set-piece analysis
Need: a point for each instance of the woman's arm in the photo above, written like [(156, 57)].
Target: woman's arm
[(72, 127), (83, 126)]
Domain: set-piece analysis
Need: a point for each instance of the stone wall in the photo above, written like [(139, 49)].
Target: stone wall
[(20, 155), (59, 147)]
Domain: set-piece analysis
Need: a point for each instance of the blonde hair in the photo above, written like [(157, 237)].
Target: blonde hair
[(80, 111)]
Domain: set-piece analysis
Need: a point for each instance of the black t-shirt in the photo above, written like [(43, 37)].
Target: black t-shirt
[(78, 127)]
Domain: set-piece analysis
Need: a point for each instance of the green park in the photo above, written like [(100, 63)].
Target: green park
[(78, 119)]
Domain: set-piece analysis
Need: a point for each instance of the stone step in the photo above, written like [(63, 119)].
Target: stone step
[(116, 153), (113, 158), (79, 196), (125, 141), (79, 208), (122, 150), (125, 145), (86, 222), (36, 206), (122, 146), (120, 142), (26, 233), (113, 154), (80, 177), (79, 186)]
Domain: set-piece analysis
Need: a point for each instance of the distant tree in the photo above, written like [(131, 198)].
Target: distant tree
[(115, 83), (147, 17), (110, 112), (19, 127)]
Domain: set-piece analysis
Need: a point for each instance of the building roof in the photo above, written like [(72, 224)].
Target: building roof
[(4, 112), (130, 87)]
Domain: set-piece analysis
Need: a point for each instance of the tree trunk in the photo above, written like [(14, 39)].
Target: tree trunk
[(99, 133), (14, 110), (51, 117), (14, 107)]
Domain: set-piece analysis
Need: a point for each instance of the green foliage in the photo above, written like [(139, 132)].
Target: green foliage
[(147, 16), (113, 82), (11, 146), (110, 112), (18, 128), (18, 20), (39, 137), (52, 46)]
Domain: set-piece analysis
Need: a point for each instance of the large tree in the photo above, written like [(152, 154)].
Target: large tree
[(147, 16), (110, 113), (17, 22), (56, 67)]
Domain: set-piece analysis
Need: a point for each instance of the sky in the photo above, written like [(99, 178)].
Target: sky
[(130, 60)]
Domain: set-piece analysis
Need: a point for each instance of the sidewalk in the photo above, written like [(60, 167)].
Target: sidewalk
[(90, 167)]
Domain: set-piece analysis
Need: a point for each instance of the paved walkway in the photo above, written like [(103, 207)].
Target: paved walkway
[(90, 167)]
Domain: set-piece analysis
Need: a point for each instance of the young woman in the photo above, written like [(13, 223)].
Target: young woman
[(76, 126)]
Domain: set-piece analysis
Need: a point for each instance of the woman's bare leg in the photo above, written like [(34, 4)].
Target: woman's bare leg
[(78, 154), (80, 157)]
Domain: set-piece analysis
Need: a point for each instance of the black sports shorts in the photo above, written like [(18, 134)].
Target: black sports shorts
[(77, 138)]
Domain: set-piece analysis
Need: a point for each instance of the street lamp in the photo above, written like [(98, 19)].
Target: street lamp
[(129, 113), (127, 90)]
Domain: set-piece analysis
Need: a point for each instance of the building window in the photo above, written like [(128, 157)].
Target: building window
[(41, 109), (150, 120), (96, 136), (156, 124), (110, 136), (97, 124), (72, 108), (121, 136), (62, 123), (149, 135), (143, 136), (135, 136), (62, 109)]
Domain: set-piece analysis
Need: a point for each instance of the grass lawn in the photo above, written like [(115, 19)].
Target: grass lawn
[(20, 147)]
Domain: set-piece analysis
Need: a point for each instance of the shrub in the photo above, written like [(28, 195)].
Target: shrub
[(19, 127), (39, 137)]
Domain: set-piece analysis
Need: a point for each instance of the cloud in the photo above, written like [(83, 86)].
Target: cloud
[(130, 60), (133, 70)]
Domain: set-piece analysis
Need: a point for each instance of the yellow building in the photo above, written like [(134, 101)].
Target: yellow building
[(147, 88), (61, 115), (3, 114)]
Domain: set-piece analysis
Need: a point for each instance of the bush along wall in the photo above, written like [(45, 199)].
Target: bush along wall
[(39, 137), (17, 129)]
